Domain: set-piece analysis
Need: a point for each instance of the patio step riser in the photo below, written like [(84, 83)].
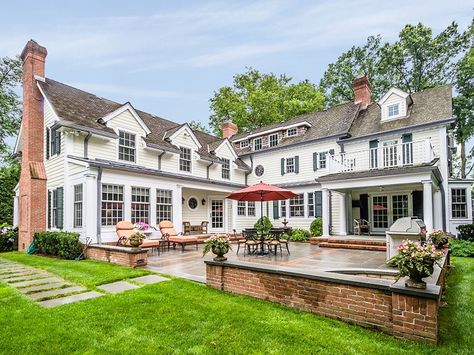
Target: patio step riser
[(358, 242), (353, 246)]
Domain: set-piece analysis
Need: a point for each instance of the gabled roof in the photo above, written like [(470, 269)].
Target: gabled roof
[(395, 91), (127, 106)]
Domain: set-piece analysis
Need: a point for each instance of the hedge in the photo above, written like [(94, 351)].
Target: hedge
[(466, 232), (66, 245)]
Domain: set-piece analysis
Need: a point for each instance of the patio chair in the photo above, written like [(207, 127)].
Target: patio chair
[(169, 234), (250, 242), (205, 227), (125, 230), (361, 225), (187, 228)]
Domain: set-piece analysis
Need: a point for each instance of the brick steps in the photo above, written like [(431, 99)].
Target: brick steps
[(356, 244)]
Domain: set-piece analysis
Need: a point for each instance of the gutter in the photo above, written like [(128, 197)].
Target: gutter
[(99, 224), (68, 124), (249, 171), (207, 169), (162, 148)]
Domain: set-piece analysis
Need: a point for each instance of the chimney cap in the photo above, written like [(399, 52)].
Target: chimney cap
[(362, 79), (32, 47)]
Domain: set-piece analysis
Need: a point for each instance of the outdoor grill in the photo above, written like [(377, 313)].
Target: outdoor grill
[(411, 228)]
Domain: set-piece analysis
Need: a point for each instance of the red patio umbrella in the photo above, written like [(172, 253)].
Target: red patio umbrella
[(261, 192)]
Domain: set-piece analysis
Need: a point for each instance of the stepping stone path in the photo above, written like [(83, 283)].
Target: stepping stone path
[(51, 291)]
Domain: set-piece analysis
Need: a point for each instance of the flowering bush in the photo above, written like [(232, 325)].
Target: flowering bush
[(415, 260), (8, 237), (141, 226), (218, 244), (439, 238)]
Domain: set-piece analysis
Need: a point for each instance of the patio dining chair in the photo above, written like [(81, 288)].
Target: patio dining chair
[(187, 228), (250, 242), (169, 234)]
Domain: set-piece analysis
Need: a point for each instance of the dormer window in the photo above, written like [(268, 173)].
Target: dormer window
[(291, 132), (273, 140), (225, 169), (127, 149), (185, 159), (244, 143), (393, 110), (257, 144)]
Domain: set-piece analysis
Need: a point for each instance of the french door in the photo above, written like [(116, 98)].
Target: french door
[(390, 154), (387, 208), (217, 215)]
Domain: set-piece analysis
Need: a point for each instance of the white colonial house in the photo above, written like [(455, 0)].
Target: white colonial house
[(103, 162)]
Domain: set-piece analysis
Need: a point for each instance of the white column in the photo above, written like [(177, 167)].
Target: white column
[(343, 213), (326, 212), (127, 203), (15, 210), (428, 204), (234, 214), (178, 209), (90, 207), (438, 210)]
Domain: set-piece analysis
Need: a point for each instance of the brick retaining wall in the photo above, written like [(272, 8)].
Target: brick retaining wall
[(373, 303), (118, 255)]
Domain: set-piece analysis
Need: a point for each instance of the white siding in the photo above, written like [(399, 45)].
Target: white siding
[(54, 166)]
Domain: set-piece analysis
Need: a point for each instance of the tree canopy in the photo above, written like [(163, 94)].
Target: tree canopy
[(258, 99), (199, 126)]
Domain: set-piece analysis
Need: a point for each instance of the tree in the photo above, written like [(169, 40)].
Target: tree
[(10, 105), (416, 61), (257, 99), (199, 126), (9, 175)]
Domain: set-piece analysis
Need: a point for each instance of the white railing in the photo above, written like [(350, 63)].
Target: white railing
[(386, 155)]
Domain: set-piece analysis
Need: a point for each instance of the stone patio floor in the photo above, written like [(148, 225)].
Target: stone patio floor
[(190, 263)]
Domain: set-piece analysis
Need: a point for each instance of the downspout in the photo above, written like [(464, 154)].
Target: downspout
[(99, 224), (159, 159), (248, 172), (207, 169), (86, 145), (443, 203)]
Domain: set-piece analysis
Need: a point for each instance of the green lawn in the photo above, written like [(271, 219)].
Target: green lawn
[(180, 316)]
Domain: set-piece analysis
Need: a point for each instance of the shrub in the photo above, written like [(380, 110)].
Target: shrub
[(439, 238), (263, 224), (66, 245), (461, 248), (466, 232), (8, 238), (316, 227), (299, 235)]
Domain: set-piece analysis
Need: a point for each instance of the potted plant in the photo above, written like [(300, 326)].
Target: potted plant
[(136, 239), (141, 226), (439, 238), (415, 261), (219, 245)]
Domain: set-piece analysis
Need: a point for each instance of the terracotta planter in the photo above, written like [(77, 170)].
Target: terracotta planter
[(220, 252)]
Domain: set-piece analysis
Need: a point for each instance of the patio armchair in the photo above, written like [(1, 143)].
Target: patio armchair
[(361, 225), (169, 234), (126, 229), (187, 228), (250, 242), (205, 227)]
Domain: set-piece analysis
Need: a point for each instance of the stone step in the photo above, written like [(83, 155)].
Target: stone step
[(357, 241), (28, 277), (43, 287), (16, 269), (36, 282), (70, 299), (6, 277), (57, 292), (353, 246)]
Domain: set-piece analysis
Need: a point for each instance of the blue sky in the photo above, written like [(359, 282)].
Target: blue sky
[(168, 58)]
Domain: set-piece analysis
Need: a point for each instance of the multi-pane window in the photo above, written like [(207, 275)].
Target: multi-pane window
[(250, 208), (244, 143), (297, 206), (290, 165), (185, 159), (140, 205), (399, 206), (458, 203), (112, 204), (393, 110), (226, 169), (78, 197), (291, 132), (283, 209), (164, 205), (127, 149), (310, 204), (241, 208), (273, 140), (322, 160), (257, 144)]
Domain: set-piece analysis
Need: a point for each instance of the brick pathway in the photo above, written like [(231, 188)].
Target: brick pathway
[(51, 291)]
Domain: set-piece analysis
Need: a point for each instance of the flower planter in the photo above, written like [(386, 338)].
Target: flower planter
[(219, 245), (220, 252)]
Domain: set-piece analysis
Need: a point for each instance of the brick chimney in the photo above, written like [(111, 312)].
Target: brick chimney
[(33, 194), (229, 128), (362, 91)]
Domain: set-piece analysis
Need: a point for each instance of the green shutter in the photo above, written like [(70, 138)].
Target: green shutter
[(282, 166), (58, 142), (276, 210), (297, 164), (315, 161), (49, 209), (47, 143), (318, 204), (59, 209)]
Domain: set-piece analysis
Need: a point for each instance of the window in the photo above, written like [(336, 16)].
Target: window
[(291, 132), (273, 140), (251, 208), (283, 209), (241, 208), (244, 144), (54, 137), (55, 208), (112, 204), (193, 203), (78, 193), (290, 165), (458, 203), (126, 146), (185, 159), (310, 204), (322, 160), (257, 144), (297, 206), (226, 169), (164, 205), (393, 110), (140, 205)]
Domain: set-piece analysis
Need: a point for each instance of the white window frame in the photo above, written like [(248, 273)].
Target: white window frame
[(292, 206), (225, 169), (181, 159), (112, 221), (164, 206), (393, 107), (270, 140), (241, 209), (78, 210), (310, 203), (462, 204), (244, 143), (325, 160), (255, 140), (291, 132), (290, 168), (251, 207), (137, 197), (134, 148)]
